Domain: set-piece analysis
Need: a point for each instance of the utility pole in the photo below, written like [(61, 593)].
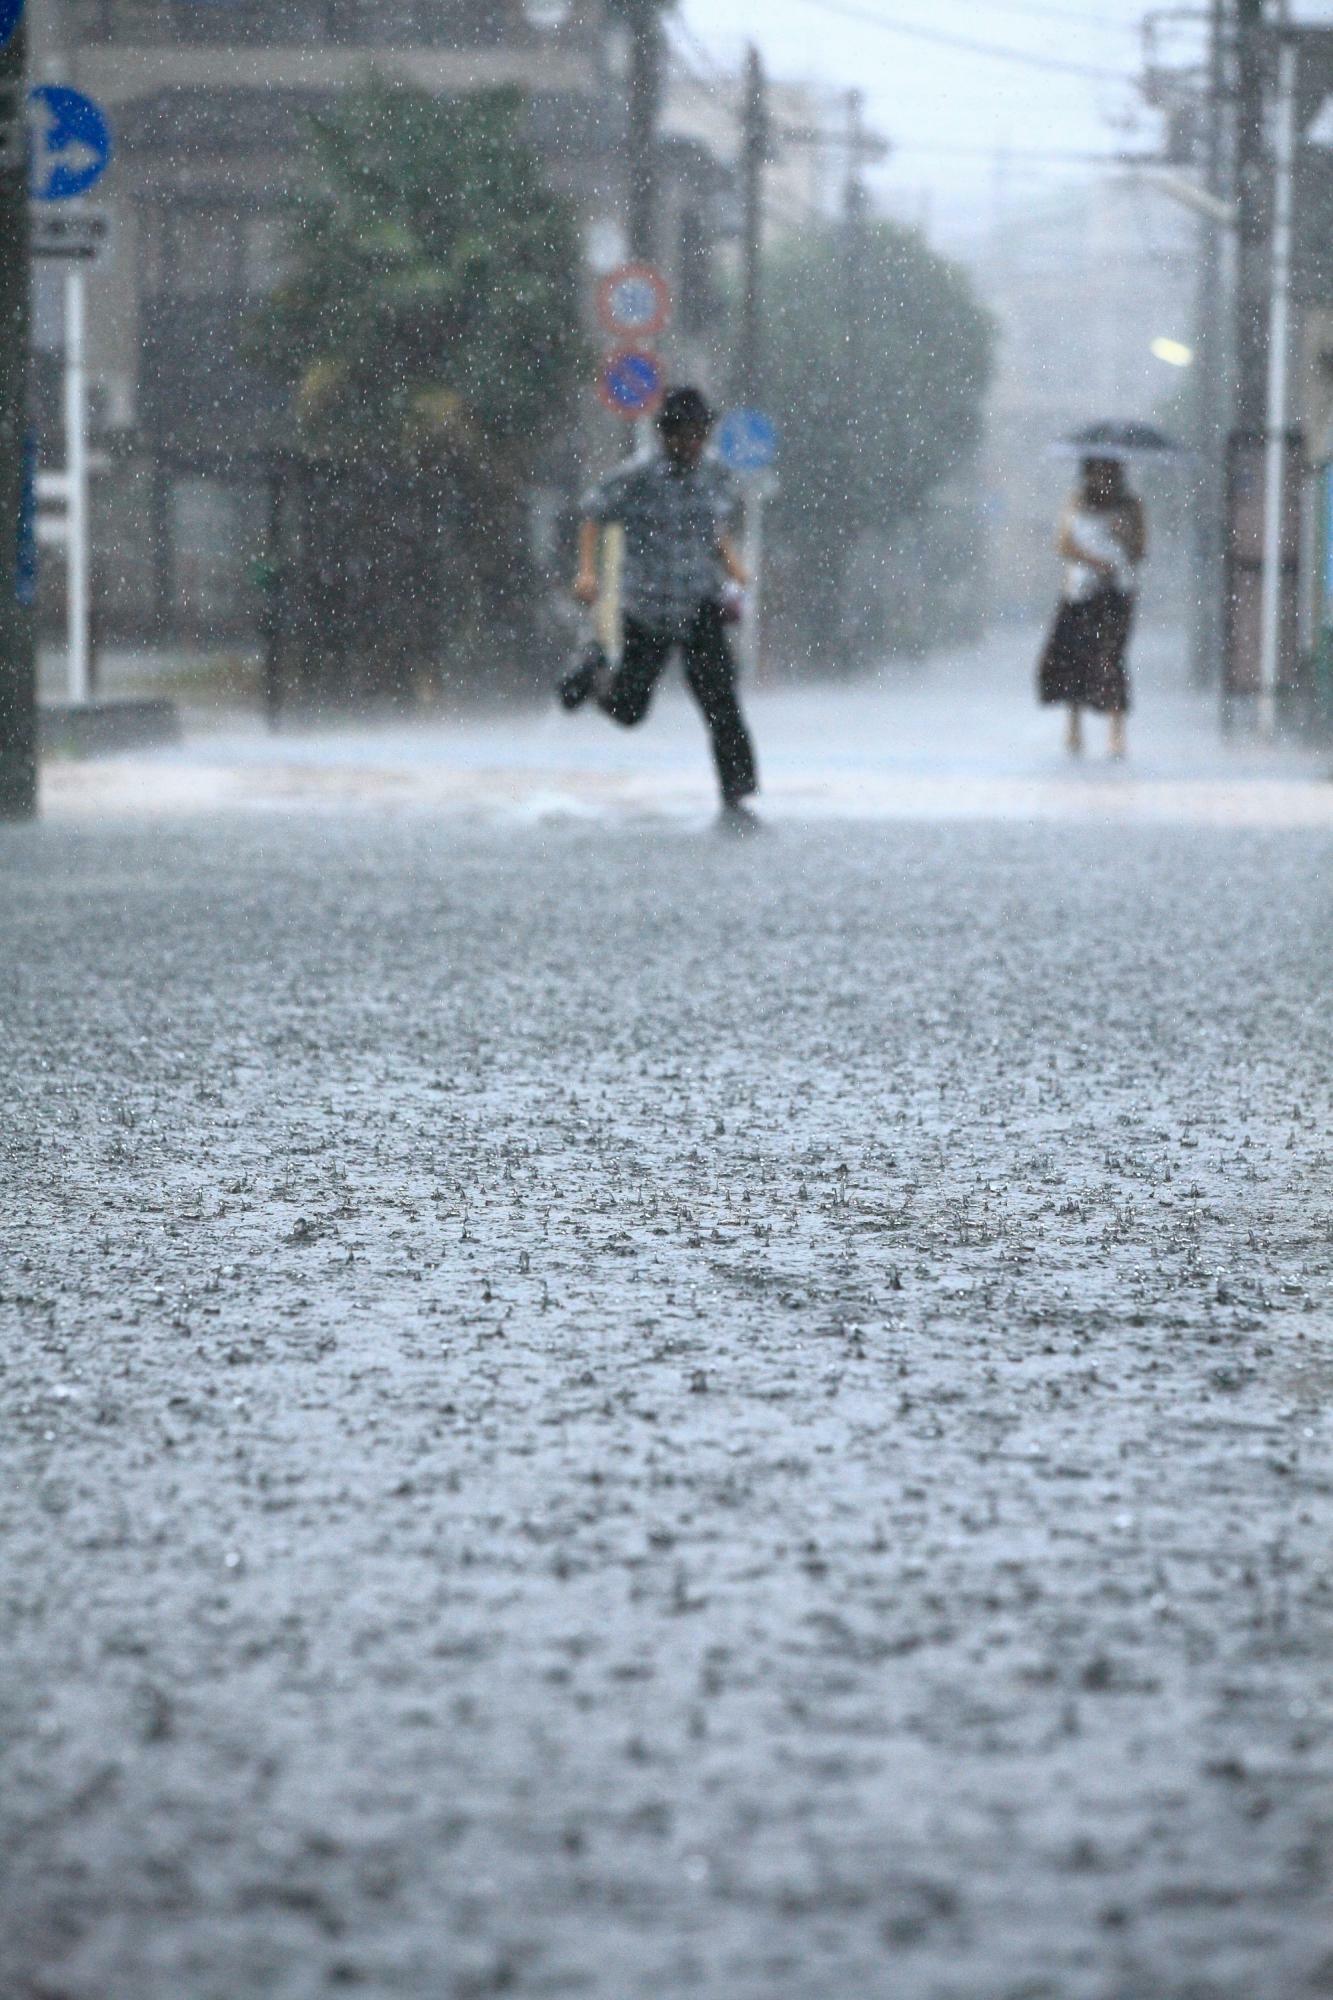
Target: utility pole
[(646, 75), (1279, 379), (855, 206), (1212, 374), (18, 666), (1249, 359), (754, 157), (1252, 274)]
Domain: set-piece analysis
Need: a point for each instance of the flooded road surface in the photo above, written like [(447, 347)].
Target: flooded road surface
[(961, 738), (594, 1411)]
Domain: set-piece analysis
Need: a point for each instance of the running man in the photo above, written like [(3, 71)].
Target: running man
[(678, 511)]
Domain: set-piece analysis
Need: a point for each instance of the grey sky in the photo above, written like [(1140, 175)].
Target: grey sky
[(951, 111)]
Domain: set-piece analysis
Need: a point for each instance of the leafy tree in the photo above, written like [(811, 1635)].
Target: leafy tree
[(429, 329), (873, 420)]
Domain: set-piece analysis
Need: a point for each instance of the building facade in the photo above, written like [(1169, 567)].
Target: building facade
[(209, 101)]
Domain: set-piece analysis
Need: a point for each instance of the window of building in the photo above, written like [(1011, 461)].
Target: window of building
[(355, 23), (264, 252), (217, 21), (205, 252), (214, 538)]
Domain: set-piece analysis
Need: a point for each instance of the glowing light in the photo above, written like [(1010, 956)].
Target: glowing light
[(1174, 353)]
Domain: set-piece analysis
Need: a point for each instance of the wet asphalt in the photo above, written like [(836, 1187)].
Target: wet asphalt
[(596, 1411)]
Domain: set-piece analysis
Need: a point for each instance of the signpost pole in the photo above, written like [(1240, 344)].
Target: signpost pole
[(71, 146), (76, 474), (18, 659), (752, 653)]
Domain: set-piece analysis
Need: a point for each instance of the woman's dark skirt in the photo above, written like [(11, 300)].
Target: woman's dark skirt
[(1084, 661)]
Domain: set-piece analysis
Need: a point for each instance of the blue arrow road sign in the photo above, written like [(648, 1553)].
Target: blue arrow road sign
[(11, 13), (632, 384), (747, 441), (71, 142)]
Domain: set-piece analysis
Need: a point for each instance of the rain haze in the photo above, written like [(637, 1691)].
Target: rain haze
[(1059, 89), (666, 806)]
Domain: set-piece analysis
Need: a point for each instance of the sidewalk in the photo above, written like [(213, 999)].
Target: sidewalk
[(960, 738)]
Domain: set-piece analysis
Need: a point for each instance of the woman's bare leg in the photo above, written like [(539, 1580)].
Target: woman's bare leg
[(1074, 731), (1118, 745)]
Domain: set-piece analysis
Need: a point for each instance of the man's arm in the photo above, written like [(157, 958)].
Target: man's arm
[(587, 584), (733, 561)]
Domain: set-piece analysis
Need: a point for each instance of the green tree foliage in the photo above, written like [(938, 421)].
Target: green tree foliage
[(434, 285), (429, 327), (873, 420)]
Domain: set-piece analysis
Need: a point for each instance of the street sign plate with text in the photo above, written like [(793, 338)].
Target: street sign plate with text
[(78, 236)]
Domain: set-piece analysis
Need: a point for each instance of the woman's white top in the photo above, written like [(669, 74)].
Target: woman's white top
[(1095, 533)]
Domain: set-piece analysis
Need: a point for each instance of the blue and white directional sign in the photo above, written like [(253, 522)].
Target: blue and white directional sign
[(632, 383), (71, 142), (747, 441), (11, 13)]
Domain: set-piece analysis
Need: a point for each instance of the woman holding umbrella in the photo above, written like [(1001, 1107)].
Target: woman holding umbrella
[(1103, 539)]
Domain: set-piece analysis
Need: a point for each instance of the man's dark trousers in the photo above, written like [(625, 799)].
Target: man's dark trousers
[(710, 671)]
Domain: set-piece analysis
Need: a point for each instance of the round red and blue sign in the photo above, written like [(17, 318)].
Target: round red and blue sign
[(634, 303)]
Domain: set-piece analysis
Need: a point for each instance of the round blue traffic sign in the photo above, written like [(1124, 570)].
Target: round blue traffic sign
[(71, 142), (11, 13), (632, 384), (747, 441)]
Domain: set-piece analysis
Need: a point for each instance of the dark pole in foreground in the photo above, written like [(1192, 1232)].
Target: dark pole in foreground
[(18, 663), (645, 110), (754, 154)]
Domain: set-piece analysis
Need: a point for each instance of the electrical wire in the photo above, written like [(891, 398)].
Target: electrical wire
[(847, 10), (717, 77), (1007, 153), (1072, 17)]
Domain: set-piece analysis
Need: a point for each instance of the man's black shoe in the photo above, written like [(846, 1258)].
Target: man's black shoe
[(738, 819), (580, 681)]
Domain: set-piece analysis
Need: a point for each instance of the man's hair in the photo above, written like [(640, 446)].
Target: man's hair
[(684, 409)]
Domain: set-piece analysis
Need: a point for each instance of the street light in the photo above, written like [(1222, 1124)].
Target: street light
[(1174, 352), (548, 15)]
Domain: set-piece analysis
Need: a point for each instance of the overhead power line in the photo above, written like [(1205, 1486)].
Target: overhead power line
[(847, 10), (1071, 16), (1008, 153)]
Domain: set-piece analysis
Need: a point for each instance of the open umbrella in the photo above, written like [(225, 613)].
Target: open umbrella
[(1119, 440)]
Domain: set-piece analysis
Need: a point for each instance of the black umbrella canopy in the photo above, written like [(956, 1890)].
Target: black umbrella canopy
[(1120, 440)]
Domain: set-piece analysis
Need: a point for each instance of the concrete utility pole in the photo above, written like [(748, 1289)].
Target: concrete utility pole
[(754, 156), (855, 212), (1279, 376), (1252, 273), (18, 663), (646, 75), (1212, 373)]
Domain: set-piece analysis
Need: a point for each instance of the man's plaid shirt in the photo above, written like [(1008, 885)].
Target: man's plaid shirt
[(673, 520)]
